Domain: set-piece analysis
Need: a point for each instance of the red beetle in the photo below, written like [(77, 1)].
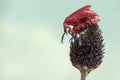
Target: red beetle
[(79, 20)]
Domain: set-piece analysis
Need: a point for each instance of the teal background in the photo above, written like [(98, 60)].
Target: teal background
[(30, 34)]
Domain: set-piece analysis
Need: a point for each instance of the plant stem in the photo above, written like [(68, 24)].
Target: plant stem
[(83, 75)]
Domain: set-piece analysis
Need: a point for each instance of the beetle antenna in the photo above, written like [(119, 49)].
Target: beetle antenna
[(63, 37)]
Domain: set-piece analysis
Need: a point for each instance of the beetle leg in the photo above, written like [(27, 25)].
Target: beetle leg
[(71, 39), (66, 32), (89, 21), (74, 37), (81, 27)]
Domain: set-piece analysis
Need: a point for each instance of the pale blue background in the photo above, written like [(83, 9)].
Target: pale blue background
[(30, 33)]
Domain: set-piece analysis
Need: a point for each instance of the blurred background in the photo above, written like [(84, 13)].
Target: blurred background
[(30, 39)]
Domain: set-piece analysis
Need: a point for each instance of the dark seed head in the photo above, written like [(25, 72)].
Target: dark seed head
[(90, 52)]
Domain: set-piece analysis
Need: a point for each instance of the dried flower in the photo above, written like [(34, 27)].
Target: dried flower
[(87, 56)]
